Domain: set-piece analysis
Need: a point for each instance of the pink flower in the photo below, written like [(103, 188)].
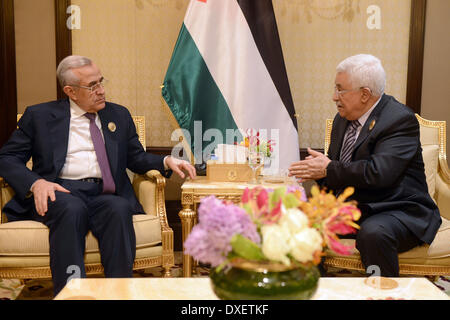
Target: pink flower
[(274, 215), (341, 222), (246, 196), (335, 245), (256, 203), (262, 199)]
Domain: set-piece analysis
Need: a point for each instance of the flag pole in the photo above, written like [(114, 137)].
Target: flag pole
[(175, 125)]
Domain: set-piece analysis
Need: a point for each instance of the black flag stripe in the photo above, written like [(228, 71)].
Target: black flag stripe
[(263, 26)]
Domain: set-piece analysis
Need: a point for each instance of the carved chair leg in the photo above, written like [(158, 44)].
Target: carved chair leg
[(432, 278), (167, 272)]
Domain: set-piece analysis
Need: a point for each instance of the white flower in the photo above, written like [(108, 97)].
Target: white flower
[(275, 244), (303, 244), (294, 220), (291, 235)]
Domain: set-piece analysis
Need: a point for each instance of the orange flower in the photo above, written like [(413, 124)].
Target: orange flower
[(333, 216)]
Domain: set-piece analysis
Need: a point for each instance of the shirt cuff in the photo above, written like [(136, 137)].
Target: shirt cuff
[(164, 162)]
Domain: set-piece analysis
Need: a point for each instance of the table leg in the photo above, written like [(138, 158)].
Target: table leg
[(187, 216)]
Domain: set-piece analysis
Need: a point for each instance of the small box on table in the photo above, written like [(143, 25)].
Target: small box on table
[(229, 172)]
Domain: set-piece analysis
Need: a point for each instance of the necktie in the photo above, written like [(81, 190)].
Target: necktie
[(349, 143), (102, 158)]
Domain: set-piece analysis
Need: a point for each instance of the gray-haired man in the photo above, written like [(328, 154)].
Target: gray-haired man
[(78, 181), (375, 147)]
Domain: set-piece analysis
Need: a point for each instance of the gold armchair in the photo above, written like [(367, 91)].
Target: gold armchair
[(426, 260), (24, 248)]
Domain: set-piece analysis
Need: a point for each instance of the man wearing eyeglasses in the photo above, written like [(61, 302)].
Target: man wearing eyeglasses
[(375, 148), (81, 148)]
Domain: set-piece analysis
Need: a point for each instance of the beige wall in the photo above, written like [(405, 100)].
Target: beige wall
[(108, 30), (436, 73), (132, 42), (35, 52), (317, 35)]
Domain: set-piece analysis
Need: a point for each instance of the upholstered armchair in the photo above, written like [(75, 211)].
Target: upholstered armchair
[(24, 245), (426, 260)]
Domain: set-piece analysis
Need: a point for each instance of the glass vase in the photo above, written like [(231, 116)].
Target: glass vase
[(251, 280)]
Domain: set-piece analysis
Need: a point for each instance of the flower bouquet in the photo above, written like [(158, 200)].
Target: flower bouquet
[(253, 138), (278, 232)]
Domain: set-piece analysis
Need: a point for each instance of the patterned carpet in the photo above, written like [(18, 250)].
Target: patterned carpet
[(13, 289)]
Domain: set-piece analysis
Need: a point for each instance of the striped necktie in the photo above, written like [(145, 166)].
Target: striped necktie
[(99, 146), (349, 143)]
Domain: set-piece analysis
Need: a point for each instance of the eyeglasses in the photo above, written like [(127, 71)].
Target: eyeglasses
[(102, 83), (341, 92)]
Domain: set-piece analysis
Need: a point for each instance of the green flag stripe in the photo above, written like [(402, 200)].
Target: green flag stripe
[(192, 94)]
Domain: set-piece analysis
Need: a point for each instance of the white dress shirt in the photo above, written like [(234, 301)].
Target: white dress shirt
[(81, 160)]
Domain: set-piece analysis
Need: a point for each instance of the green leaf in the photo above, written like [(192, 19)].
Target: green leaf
[(248, 208), (246, 248), (222, 265), (276, 195), (290, 201)]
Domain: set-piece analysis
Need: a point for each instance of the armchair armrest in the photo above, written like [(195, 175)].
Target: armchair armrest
[(443, 170), (149, 189), (442, 195), (6, 194)]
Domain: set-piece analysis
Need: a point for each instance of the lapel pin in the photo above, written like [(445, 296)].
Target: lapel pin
[(112, 126), (372, 124)]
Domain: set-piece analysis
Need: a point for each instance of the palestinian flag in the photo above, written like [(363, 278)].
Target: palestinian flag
[(227, 74)]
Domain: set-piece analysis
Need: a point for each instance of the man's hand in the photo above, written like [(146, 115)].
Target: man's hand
[(42, 190), (312, 168), (177, 165)]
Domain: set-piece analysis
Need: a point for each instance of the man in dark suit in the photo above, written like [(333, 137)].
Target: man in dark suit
[(80, 147), (375, 147)]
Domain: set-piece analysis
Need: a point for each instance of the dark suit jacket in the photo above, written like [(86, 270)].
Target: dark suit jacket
[(387, 168), (43, 133)]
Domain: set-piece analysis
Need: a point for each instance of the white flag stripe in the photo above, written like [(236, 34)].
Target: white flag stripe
[(224, 39)]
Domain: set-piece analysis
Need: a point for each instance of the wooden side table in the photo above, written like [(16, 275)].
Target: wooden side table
[(192, 191)]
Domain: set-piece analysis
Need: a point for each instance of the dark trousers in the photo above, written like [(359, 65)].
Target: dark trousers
[(381, 238), (71, 216)]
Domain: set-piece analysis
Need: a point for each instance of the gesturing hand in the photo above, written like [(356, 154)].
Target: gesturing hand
[(312, 168), (42, 190), (177, 165)]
